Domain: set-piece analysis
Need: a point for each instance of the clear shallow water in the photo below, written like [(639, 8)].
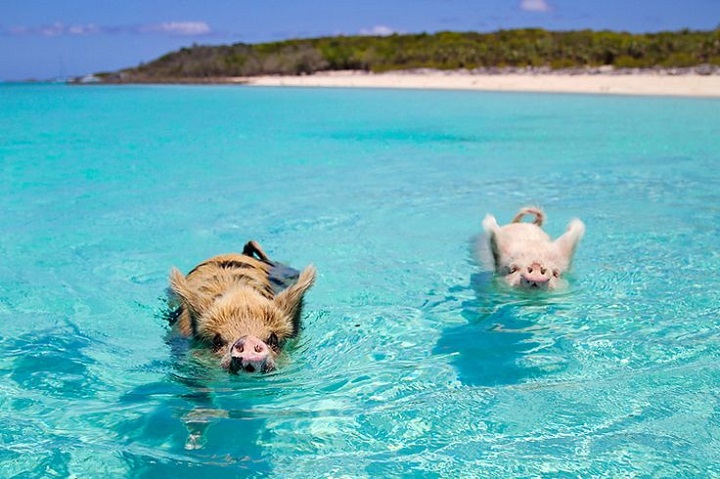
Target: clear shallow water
[(411, 363)]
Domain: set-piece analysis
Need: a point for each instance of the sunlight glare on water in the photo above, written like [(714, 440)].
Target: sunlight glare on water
[(411, 362)]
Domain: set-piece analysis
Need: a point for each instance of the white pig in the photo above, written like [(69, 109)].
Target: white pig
[(525, 256)]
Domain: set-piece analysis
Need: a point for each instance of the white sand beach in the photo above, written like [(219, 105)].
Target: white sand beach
[(642, 83)]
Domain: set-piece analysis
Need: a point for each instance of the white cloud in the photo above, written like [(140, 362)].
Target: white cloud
[(54, 30), (18, 31), (58, 29), (179, 28), (534, 5), (379, 30), (89, 29)]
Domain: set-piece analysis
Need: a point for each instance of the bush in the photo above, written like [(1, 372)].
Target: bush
[(679, 60), (444, 50), (626, 61)]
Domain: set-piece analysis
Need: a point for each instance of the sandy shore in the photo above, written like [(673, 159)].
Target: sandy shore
[(645, 83)]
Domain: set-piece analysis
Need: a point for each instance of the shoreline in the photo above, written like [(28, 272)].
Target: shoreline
[(605, 83)]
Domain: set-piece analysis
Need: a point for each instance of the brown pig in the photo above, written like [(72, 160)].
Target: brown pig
[(228, 302), (525, 256)]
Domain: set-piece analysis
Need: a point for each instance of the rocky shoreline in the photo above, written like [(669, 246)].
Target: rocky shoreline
[(701, 70), (698, 81)]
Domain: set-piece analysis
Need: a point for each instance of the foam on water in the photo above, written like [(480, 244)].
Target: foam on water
[(411, 361)]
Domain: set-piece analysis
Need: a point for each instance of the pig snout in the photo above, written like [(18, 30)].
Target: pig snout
[(250, 354), (535, 276)]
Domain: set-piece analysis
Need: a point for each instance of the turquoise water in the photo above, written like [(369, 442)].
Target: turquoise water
[(411, 362)]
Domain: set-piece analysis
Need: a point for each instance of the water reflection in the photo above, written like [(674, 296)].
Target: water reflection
[(197, 415), (53, 362), (506, 339)]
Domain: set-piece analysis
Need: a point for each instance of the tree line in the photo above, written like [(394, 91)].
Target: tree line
[(443, 50)]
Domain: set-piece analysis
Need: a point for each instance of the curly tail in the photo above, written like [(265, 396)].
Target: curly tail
[(530, 210)]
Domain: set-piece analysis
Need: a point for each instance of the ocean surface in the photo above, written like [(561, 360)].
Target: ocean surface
[(412, 362)]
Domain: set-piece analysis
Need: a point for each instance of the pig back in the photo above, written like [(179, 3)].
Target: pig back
[(220, 273)]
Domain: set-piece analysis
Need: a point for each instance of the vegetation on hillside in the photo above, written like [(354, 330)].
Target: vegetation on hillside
[(444, 50)]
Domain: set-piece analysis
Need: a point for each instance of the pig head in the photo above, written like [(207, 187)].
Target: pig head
[(229, 304), (525, 256)]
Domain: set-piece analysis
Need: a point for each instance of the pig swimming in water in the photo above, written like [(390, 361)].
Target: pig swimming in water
[(525, 256), (229, 303)]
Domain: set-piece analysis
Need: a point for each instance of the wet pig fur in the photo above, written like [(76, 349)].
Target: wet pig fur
[(524, 256), (228, 303)]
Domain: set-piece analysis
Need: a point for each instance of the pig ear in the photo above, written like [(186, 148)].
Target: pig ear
[(491, 227), (290, 300), (567, 243), (490, 224), (179, 286)]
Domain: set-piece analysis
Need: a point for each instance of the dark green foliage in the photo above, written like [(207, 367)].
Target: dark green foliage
[(443, 50)]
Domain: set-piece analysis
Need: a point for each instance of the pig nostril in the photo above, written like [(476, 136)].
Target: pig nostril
[(530, 270), (543, 270), (258, 348)]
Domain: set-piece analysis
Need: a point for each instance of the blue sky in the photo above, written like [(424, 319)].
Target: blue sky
[(43, 39)]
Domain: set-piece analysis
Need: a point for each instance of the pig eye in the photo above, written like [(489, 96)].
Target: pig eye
[(218, 342), (272, 341)]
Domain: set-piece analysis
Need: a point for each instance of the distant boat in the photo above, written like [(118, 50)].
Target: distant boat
[(84, 79), (89, 79)]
